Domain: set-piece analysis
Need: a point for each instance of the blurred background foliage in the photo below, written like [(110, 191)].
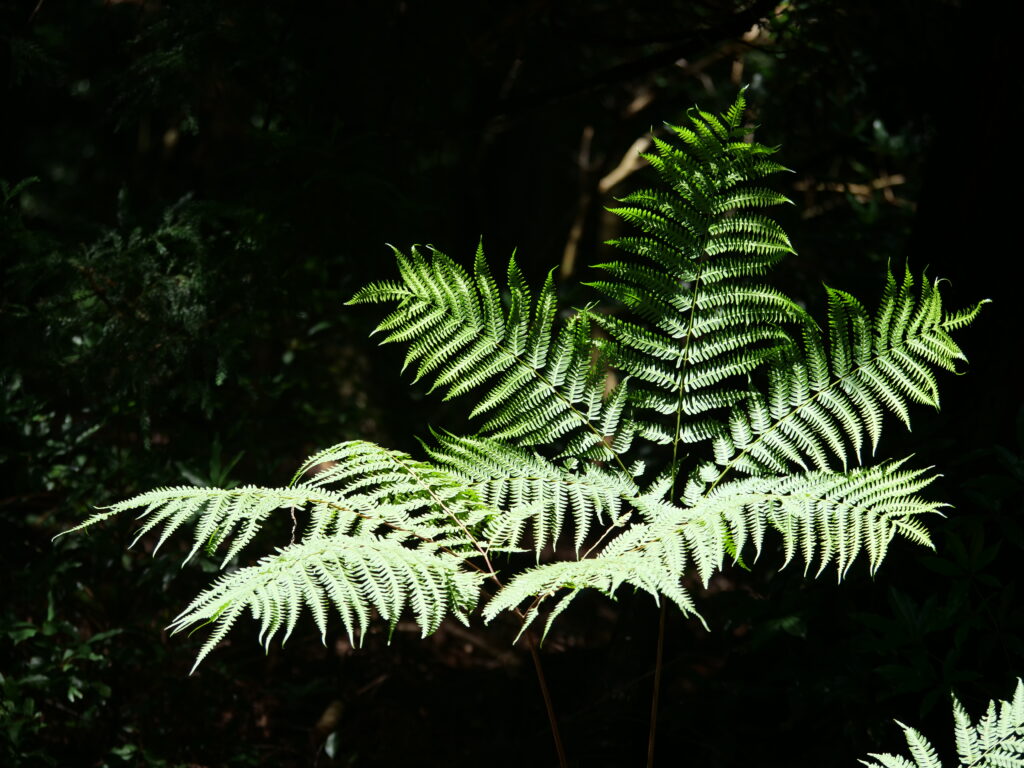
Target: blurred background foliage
[(193, 189)]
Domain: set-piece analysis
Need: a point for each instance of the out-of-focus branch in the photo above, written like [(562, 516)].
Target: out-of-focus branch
[(862, 192)]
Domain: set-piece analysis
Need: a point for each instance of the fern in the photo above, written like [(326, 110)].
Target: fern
[(383, 531), (354, 574), (818, 398), (695, 348), (995, 740), (541, 386), (702, 240), (826, 517)]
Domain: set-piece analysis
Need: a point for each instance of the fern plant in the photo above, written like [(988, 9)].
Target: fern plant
[(590, 422), (996, 740)]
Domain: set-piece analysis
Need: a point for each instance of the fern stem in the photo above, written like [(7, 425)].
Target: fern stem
[(563, 762), (659, 656), (659, 664), (440, 502), (611, 527), (684, 358), (531, 642)]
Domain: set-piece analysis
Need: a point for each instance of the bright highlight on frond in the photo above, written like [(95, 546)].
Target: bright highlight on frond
[(383, 532), (354, 575)]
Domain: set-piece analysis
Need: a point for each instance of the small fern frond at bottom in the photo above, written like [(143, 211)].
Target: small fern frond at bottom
[(357, 485), (996, 740), (354, 575)]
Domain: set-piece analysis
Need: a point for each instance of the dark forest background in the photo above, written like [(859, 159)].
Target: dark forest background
[(193, 189)]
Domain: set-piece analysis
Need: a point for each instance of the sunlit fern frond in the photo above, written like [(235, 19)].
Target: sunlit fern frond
[(534, 495), (705, 320), (826, 517), (359, 486), (822, 400), (540, 386), (382, 531), (402, 492), (995, 740), (354, 575)]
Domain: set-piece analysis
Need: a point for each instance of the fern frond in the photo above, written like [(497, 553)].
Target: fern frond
[(826, 517), (996, 740), (540, 385), (385, 532), (218, 514), (820, 400), (534, 495), (706, 320), (355, 575), (359, 486)]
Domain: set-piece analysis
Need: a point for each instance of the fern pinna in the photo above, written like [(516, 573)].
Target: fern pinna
[(696, 353)]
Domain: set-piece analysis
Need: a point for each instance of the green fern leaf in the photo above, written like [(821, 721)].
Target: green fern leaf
[(540, 385), (706, 321), (533, 495), (995, 741), (351, 574), (826, 517), (819, 400)]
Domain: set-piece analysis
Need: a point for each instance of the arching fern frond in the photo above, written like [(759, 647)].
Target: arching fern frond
[(384, 531), (540, 386), (354, 575), (706, 320), (826, 517), (822, 399), (400, 491), (372, 487), (534, 496), (995, 740), (218, 515)]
